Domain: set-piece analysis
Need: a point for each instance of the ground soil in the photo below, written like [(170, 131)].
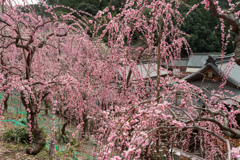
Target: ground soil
[(16, 151)]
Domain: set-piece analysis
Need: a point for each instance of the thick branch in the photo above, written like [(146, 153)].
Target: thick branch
[(231, 21), (225, 130), (41, 44)]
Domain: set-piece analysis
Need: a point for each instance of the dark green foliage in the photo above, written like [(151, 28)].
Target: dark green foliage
[(91, 6), (38, 8), (117, 4), (224, 3), (200, 25), (19, 134), (87, 7)]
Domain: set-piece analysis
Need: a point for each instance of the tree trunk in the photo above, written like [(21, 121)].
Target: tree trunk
[(46, 106), (39, 140), (237, 49), (7, 97), (85, 125), (63, 130), (38, 136), (6, 104), (51, 150)]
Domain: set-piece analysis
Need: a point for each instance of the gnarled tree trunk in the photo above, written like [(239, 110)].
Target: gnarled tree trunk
[(63, 130), (6, 97), (6, 104), (36, 131), (38, 136), (237, 49)]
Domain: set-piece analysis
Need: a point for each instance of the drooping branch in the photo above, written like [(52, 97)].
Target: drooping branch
[(206, 130), (231, 21), (229, 132), (41, 44)]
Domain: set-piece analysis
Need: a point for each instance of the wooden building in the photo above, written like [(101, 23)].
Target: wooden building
[(218, 69)]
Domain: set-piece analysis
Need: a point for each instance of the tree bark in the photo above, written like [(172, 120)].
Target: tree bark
[(37, 134), (63, 130), (36, 131), (85, 125), (6, 104), (237, 49), (51, 150), (46, 106), (7, 97)]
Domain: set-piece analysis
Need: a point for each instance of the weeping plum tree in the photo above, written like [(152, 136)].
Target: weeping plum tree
[(140, 126), (132, 116), (21, 51), (45, 56)]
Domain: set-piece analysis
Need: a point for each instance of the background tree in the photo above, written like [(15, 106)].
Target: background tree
[(45, 56), (32, 59), (204, 30)]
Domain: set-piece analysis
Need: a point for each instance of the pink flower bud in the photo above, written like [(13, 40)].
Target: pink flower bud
[(113, 8), (109, 15)]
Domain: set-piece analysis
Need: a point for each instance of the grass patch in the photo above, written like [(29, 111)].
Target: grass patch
[(18, 134)]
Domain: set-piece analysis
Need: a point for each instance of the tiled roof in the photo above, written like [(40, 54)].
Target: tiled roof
[(145, 70), (221, 67), (198, 60), (182, 62)]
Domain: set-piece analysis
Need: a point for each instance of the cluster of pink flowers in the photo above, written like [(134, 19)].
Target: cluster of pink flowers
[(179, 124), (236, 152), (130, 111)]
